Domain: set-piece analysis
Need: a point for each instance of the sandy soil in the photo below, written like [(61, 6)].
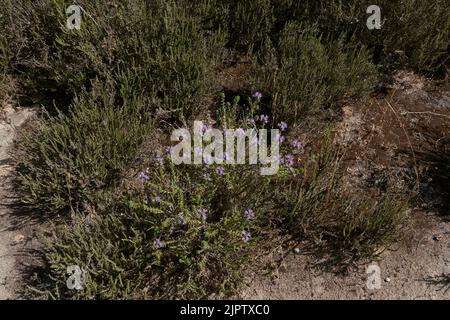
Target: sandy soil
[(15, 234), (412, 271)]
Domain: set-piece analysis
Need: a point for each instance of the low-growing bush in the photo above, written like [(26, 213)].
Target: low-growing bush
[(305, 75), (161, 47), (190, 231), (64, 160), (184, 236), (402, 42)]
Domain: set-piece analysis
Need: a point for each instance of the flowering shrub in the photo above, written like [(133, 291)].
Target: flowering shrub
[(305, 75), (64, 161), (190, 231), (190, 228)]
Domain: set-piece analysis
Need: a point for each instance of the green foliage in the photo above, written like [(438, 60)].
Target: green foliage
[(306, 75), (251, 23), (344, 227), (188, 232), (414, 33), (66, 159), (133, 60), (179, 237), (160, 46)]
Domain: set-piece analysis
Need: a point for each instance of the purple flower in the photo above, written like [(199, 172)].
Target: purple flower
[(246, 236), (283, 126), (158, 244), (264, 118), (202, 214), (169, 149), (159, 159), (249, 214), (297, 145), (282, 139), (143, 176), (158, 199), (289, 160), (221, 170), (258, 95)]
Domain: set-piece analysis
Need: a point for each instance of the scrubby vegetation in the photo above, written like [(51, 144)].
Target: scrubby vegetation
[(139, 67)]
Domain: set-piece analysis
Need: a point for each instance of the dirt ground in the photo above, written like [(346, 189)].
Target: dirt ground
[(16, 233), (411, 271)]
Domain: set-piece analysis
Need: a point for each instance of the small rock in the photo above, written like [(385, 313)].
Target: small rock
[(297, 250), (387, 280), (18, 239)]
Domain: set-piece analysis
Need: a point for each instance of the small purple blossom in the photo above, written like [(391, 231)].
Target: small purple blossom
[(158, 244), (283, 126), (202, 214), (258, 95), (220, 170), (282, 139), (160, 159), (143, 177), (289, 160), (297, 145), (249, 214), (264, 118), (246, 236), (158, 199), (169, 149)]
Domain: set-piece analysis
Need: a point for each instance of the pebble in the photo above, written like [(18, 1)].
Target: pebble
[(18, 238)]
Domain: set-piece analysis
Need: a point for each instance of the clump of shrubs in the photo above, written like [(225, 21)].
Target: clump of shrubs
[(189, 231), (64, 160), (305, 75), (138, 66)]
